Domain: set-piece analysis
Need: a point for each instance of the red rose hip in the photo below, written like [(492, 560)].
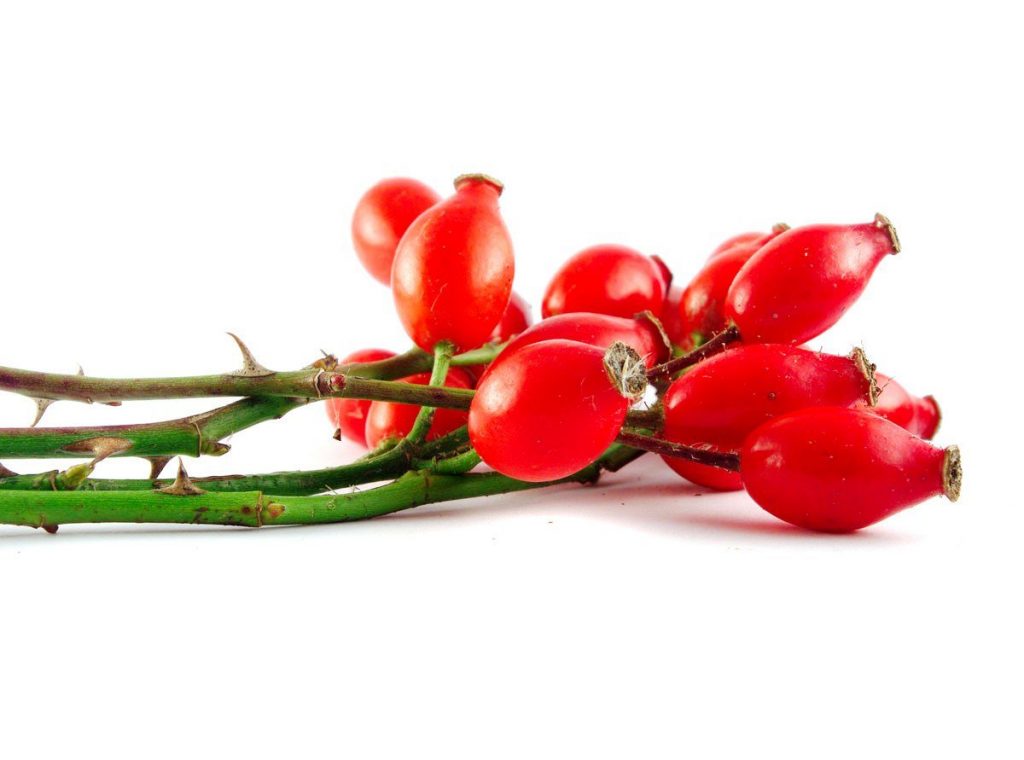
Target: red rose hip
[(838, 470), (607, 279), (919, 415), (348, 415), (382, 216), (800, 283), (551, 408), (514, 321), (721, 400), (452, 275), (389, 419)]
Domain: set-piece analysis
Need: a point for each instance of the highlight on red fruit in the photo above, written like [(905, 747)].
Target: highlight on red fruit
[(839, 470), (719, 402), (800, 283), (920, 415), (607, 279), (640, 333), (452, 275), (348, 415), (514, 321), (382, 216), (387, 419), (670, 316), (549, 409)]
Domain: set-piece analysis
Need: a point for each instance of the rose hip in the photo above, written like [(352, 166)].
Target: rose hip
[(639, 333), (607, 279), (452, 275), (382, 216), (919, 415), (749, 240), (721, 400), (839, 470), (388, 419), (800, 283), (348, 415), (551, 408)]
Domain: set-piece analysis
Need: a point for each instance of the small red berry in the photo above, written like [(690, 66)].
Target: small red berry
[(800, 283), (452, 275), (721, 400), (607, 279), (382, 216), (921, 416), (514, 321), (838, 470), (348, 415), (640, 333), (551, 408), (387, 419)]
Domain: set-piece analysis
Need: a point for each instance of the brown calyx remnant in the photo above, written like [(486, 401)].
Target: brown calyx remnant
[(952, 473), (627, 370), (868, 370), (497, 184), (648, 316), (883, 221)]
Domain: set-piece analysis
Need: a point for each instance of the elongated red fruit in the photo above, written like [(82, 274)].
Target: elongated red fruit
[(382, 216), (839, 470), (721, 400), (749, 240), (348, 415), (919, 415), (641, 334), (702, 304), (800, 283), (551, 408), (452, 274), (607, 279)]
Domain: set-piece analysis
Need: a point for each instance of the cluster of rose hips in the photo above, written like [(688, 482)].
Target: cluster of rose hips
[(818, 440)]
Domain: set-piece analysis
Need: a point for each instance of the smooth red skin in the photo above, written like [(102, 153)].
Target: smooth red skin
[(514, 321), (607, 279), (546, 411), (348, 415), (800, 283), (382, 216), (452, 275), (598, 330), (918, 415), (702, 305), (387, 419), (838, 470), (721, 400), (744, 238)]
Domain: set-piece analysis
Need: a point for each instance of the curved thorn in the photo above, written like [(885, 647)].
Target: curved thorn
[(42, 404), (250, 367), (182, 485)]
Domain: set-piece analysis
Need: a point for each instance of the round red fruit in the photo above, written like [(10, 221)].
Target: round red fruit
[(551, 408), (382, 216), (387, 419), (607, 279), (452, 275), (839, 470), (348, 415)]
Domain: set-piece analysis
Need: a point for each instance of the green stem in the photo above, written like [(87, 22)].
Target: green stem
[(377, 467), (425, 417), (256, 508), (193, 436)]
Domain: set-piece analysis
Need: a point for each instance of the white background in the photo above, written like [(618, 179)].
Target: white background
[(170, 171)]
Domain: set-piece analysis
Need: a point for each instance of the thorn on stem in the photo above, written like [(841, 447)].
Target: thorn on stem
[(6, 473), (50, 528), (42, 404), (182, 485), (250, 367), (100, 447), (156, 466)]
